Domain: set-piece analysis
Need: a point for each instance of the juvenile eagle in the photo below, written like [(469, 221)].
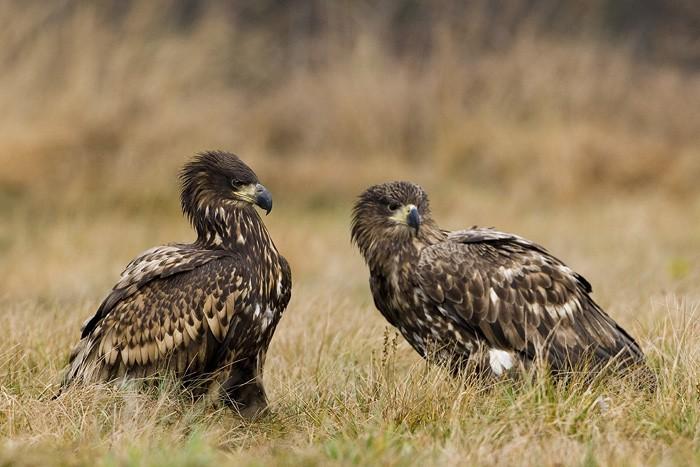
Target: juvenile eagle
[(479, 296), (205, 311)]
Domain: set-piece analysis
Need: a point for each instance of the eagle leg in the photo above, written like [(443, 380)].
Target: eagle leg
[(243, 390)]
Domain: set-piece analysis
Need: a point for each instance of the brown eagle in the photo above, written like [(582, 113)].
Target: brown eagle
[(479, 296), (204, 311)]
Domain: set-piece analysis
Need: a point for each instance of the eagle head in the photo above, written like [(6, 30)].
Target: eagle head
[(391, 212), (217, 178)]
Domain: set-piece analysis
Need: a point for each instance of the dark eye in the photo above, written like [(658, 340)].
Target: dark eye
[(393, 206), (234, 183)]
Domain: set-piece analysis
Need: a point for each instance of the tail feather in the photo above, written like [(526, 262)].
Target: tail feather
[(81, 365)]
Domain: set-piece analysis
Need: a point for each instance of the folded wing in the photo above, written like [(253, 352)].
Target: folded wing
[(171, 308), (155, 263), (517, 297)]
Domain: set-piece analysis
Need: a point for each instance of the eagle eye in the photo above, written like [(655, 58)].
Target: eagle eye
[(393, 206)]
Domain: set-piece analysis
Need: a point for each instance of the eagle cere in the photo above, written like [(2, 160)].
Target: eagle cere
[(204, 311), (479, 296)]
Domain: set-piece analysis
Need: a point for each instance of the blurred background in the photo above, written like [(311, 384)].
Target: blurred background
[(576, 124)]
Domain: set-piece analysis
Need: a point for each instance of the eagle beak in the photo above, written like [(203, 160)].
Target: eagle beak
[(413, 218), (263, 198)]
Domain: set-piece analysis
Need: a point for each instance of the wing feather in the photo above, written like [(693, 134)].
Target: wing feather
[(519, 297), (166, 323), (155, 263)]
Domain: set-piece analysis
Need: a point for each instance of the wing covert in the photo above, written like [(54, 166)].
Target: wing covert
[(518, 297), (182, 317), (158, 262)]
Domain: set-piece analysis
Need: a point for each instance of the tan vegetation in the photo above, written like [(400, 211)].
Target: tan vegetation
[(573, 141)]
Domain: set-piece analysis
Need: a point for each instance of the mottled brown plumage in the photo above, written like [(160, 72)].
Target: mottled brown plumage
[(479, 296), (205, 311)]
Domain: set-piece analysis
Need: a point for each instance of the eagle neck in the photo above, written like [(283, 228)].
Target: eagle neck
[(233, 227), (395, 257)]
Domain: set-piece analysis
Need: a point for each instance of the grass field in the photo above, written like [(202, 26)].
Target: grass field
[(576, 144)]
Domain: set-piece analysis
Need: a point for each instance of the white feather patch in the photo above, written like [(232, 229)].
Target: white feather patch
[(493, 295), (500, 361), (267, 318), (507, 273), (562, 311), (279, 286)]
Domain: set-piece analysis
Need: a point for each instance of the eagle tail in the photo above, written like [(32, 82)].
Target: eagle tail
[(79, 365), (629, 354)]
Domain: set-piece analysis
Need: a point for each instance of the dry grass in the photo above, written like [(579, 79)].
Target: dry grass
[(573, 144)]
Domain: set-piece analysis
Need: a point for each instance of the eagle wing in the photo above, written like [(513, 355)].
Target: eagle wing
[(172, 307), (154, 263), (515, 295)]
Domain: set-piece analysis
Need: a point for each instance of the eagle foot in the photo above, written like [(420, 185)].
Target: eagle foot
[(244, 392)]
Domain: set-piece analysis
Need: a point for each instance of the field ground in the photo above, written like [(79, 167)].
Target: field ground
[(343, 387), (583, 140)]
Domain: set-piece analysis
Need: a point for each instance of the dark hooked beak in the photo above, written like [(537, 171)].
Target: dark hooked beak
[(263, 198), (413, 218)]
